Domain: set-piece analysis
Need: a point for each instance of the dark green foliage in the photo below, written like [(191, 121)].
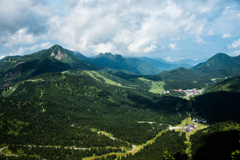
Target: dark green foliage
[(170, 84), (215, 142), (121, 116), (108, 157), (25, 123), (180, 74), (83, 101), (218, 106), (3, 157), (169, 140)]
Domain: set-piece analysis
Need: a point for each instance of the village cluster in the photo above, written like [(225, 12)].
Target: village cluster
[(189, 92), (193, 126)]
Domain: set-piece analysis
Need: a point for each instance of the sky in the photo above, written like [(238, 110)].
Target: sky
[(170, 29)]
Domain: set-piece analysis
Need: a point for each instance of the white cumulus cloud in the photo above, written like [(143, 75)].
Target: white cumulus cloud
[(236, 53), (226, 35), (102, 48), (172, 46), (136, 29), (24, 50), (20, 37), (199, 40), (234, 45)]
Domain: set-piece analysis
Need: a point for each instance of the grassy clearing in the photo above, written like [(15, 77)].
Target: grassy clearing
[(7, 151), (105, 133), (188, 121), (214, 79), (90, 74), (98, 76), (108, 81), (156, 86)]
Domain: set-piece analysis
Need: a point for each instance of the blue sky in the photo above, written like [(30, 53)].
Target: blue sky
[(168, 29)]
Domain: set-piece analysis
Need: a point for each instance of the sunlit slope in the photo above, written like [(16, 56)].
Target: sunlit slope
[(229, 85)]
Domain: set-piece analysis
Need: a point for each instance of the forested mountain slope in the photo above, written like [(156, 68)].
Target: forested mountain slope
[(219, 65), (88, 101), (54, 59), (216, 142), (220, 101)]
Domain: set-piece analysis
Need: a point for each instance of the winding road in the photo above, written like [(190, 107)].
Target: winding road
[(133, 148), (1, 149)]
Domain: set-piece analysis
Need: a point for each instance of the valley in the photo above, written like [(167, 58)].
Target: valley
[(57, 105)]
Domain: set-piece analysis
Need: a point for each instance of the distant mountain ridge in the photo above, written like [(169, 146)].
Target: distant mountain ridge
[(220, 65), (190, 61), (111, 61), (118, 62), (162, 65), (142, 66)]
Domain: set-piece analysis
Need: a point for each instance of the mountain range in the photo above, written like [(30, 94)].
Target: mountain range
[(60, 104), (57, 58)]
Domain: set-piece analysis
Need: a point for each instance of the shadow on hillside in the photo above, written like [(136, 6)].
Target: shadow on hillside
[(165, 104), (218, 106), (218, 145)]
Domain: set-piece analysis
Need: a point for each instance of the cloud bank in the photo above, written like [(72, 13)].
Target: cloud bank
[(126, 27)]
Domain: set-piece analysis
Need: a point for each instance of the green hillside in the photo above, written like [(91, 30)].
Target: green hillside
[(220, 65), (54, 59), (219, 140), (229, 85)]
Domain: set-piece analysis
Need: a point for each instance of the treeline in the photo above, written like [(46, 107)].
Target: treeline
[(176, 84), (216, 142)]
